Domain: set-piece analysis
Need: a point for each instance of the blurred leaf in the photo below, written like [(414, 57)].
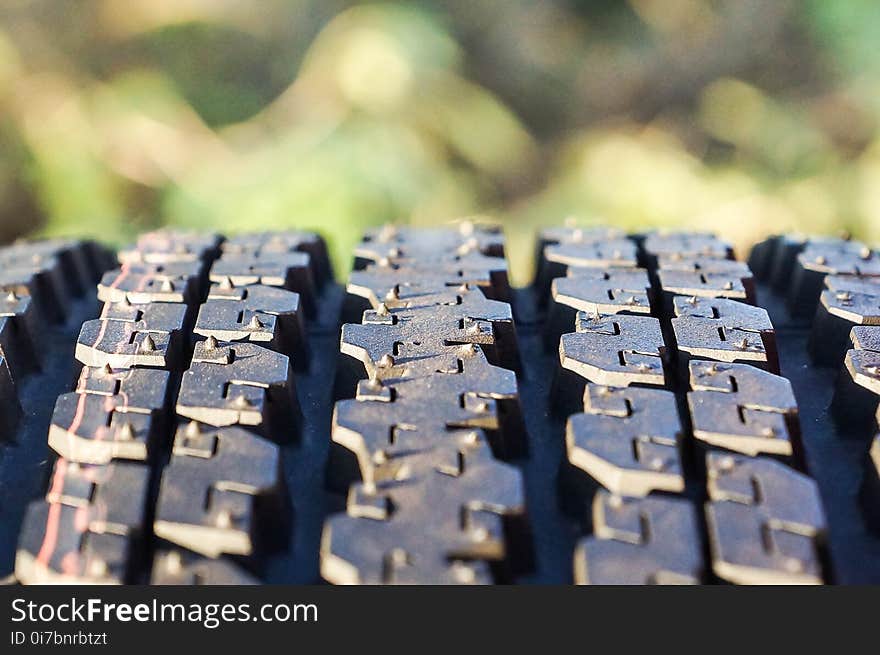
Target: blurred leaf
[(849, 30), (222, 72), (335, 116)]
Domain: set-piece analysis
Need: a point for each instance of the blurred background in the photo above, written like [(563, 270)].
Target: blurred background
[(741, 116)]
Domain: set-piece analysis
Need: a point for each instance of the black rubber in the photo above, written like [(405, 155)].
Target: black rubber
[(218, 371)]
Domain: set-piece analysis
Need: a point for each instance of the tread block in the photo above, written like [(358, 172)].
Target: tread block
[(43, 280), (820, 259), (77, 261), (392, 417), (179, 567), (615, 351), (845, 303), (762, 256), (609, 253), (766, 522), (88, 528), (131, 335), (405, 333), (468, 254), (777, 257), (558, 249), (724, 330), (595, 291), (787, 249), (707, 284), (854, 284), (571, 232), (604, 291), (399, 244), (221, 493), (465, 267), (93, 426), (19, 331), (857, 394), (239, 384), (640, 541), (384, 286), (725, 309), (256, 313), (627, 439), (433, 270), (140, 284), (686, 245), (743, 409), (282, 243), (10, 408), (171, 246), (866, 337), (291, 271), (414, 287), (139, 389), (442, 520), (697, 264)]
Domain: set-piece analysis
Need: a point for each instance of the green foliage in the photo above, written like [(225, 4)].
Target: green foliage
[(738, 115), (848, 29), (220, 71)]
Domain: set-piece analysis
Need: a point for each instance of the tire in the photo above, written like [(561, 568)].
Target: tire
[(627, 419)]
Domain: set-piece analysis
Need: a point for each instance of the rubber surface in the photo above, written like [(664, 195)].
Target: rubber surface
[(210, 375)]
